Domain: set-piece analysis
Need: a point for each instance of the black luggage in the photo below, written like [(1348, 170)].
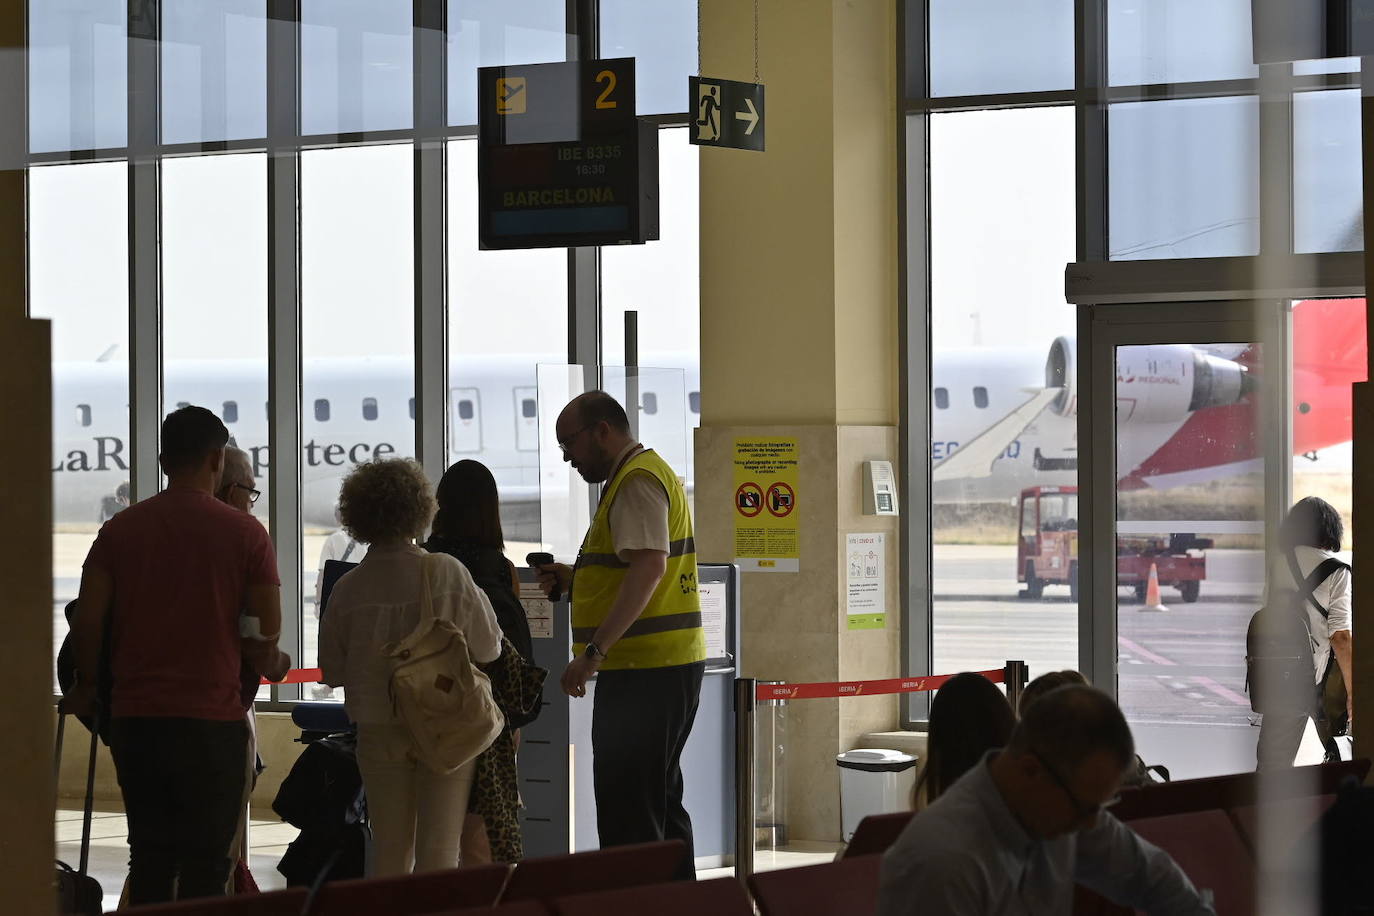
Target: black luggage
[(1280, 672), (78, 894), (323, 796)]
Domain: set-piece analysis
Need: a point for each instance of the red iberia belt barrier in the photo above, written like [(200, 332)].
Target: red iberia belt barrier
[(298, 676), (862, 688)]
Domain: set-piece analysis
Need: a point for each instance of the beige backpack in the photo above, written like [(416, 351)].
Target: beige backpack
[(437, 693)]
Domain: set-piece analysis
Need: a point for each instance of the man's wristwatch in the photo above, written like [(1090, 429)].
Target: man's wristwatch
[(593, 652)]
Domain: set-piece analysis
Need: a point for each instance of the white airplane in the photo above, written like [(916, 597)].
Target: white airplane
[(1002, 419)]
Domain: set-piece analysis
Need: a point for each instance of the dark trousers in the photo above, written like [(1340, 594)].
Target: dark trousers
[(183, 782), (640, 723)]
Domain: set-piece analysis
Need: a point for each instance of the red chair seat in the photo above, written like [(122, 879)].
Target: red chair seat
[(718, 897), (409, 895), (1208, 848), (289, 902), (876, 833), (848, 887), (597, 870), (1294, 817)]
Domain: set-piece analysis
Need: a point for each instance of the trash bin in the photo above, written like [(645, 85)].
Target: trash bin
[(873, 781)]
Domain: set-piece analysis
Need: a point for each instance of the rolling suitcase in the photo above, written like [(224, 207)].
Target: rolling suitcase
[(78, 894)]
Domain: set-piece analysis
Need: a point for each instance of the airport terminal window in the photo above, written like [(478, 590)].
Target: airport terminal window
[(980, 398), (357, 326), (1184, 178), (1178, 41), (214, 288), (356, 72), (661, 36), (78, 74), (1328, 212), (369, 408), (991, 281), (508, 313), (214, 70), (670, 315), (978, 47), (79, 279), (489, 33)]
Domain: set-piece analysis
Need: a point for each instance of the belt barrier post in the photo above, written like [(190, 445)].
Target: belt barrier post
[(744, 777), (1015, 675)]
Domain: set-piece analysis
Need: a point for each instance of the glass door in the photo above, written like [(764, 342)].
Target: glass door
[(1192, 476)]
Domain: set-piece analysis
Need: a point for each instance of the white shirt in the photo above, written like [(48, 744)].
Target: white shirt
[(335, 546), (1333, 594), (967, 854), (639, 514), (379, 603)]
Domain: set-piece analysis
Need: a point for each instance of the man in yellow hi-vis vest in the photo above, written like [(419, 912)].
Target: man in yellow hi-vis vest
[(636, 619)]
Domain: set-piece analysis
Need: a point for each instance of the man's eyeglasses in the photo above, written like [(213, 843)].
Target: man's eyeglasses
[(565, 444), (252, 493), (1085, 810)]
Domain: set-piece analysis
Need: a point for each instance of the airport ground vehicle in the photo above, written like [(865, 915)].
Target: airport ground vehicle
[(1047, 550)]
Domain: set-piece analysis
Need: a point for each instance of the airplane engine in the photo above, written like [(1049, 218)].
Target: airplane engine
[(1061, 371), (1165, 383), (1155, 384)]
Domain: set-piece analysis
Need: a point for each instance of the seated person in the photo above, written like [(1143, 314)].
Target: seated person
[(1021, 828), (1138, 774), (968, 717)]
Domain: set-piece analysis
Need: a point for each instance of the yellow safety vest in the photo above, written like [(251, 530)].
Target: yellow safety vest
[(669, 631)]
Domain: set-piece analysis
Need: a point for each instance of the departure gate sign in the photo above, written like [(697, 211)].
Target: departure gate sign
[(562, 160)]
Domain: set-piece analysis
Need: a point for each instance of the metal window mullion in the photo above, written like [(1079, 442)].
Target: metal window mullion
[(1275, 154), (584, 264), (431, 236), (913, 317), (284, 318), (145, 292)]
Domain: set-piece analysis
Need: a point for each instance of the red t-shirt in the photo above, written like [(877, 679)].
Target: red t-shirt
[(182, 563)]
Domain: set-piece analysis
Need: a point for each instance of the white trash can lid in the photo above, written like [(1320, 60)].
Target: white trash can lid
[(875, 760)]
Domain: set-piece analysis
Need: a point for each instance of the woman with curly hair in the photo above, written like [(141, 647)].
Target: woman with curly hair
[(416, 814)]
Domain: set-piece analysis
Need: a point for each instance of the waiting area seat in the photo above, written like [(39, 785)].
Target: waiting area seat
[(717, 897), (413, 895), (597, 870), (843, 888), (1235, 790), (290, 902), (877, 832), (1208, 848), (520, 908)]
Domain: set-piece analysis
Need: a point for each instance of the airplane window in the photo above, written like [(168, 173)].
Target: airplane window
[(694, 401), (942, 398), (527, 409), (231, 411), (465, 411), (412, 408), (322, 410), (83, 414), (980, 397), (369, 408), (650, 403), (181, 404)]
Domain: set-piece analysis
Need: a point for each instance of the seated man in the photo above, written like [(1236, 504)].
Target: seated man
[(1019, 830)]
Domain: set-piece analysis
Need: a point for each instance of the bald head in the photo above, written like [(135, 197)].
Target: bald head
[(237, 484), (592, 430)]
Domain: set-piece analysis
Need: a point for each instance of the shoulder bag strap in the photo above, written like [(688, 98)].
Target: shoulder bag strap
[(426, 595), (1307, 585), (348, 551)]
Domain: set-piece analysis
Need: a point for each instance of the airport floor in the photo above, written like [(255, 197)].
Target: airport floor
[(269, 838)]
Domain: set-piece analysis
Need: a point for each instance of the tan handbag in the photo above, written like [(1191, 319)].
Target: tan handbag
[(442, 699)]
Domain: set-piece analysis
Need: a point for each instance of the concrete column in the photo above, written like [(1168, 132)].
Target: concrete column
[(799, 339)]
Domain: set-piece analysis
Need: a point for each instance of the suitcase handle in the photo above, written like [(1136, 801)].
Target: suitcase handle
[(88, 809)]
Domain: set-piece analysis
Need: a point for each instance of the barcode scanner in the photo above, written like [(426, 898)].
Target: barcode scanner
[(537, 560)]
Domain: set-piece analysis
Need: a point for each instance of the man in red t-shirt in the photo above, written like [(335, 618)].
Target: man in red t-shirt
[(170, 576)]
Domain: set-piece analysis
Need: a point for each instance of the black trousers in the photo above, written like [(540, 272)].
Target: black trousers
[(640, 723), (183, 782)]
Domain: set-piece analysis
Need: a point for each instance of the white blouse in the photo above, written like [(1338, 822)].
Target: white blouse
[(379, 603)]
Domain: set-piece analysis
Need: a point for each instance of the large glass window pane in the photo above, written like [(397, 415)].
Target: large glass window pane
[(662, 37), (79, 278), (356, 71), (1178, 41), (661, 281), (78, 72), (489, 33), (214, 70), (1328, 211), (979, 47), (358, 327), (1002, 228), (1184, 178), (508, 313)]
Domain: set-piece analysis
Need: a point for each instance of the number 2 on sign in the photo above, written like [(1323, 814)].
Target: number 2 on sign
[(604, 99)]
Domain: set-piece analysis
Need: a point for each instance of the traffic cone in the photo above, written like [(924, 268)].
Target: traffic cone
[(1152, 602)]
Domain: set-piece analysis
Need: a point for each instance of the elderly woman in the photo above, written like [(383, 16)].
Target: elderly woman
[(416, 814)]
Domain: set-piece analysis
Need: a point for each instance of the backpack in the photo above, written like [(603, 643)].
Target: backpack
[(440, 697), (1280, 674)]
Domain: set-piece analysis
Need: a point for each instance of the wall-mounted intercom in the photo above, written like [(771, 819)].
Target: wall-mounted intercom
[(880, 488)]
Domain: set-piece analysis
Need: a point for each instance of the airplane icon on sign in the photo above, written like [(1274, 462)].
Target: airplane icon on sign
[(510, 95)]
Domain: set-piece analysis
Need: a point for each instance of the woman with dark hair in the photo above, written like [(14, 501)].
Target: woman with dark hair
[(468, 527), (1309, 536), (968, 717)]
